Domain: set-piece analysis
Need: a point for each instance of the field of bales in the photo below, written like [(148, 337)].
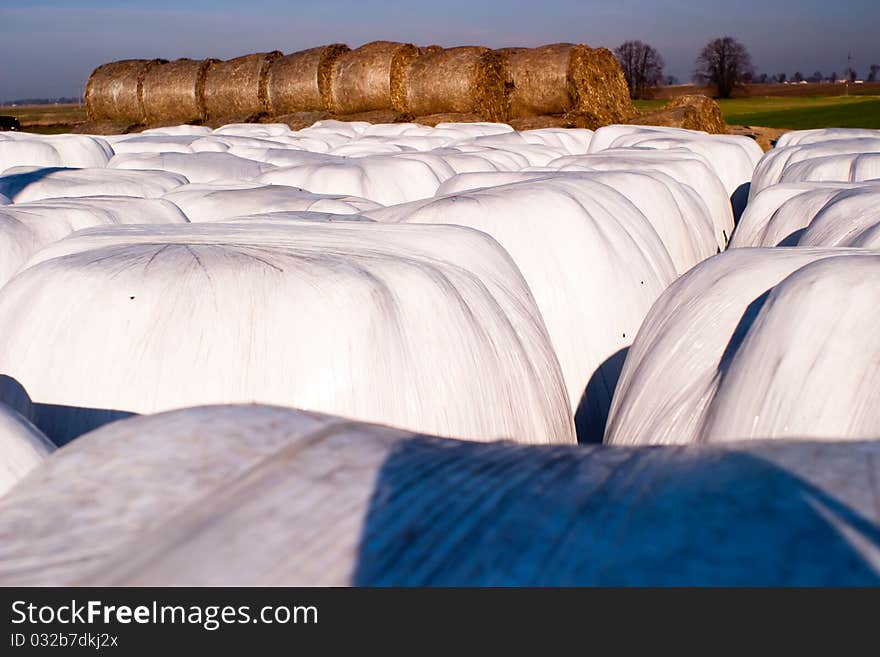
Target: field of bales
[(401, 315)]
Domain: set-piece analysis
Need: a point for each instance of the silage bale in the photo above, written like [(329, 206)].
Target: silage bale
[(543, 79), (300, 82), (237, 87), (466, 80), (115, 90), (174, 93), (370, 77), (603, 95)]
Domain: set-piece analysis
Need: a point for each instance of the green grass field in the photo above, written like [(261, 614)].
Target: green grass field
[(796, 112)]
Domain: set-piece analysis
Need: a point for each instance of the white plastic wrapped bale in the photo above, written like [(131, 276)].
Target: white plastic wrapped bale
[(196, 167), (27, 184), (430, 328), (224, 143), (499, 158), (803, 137), (22, 447), (81, 151), (27, 227), (676, 212), (282, 157), (733, 157), (385, 179), (26, 152), (811, 214), (255, 130), (681, 164), (514, 142), (753, 344), (159, 143), (461, 131), (208, 202), (575, 141), (593, 261), (179, 130), (755, 221), (842, 163), (846, 167), (262, 496)]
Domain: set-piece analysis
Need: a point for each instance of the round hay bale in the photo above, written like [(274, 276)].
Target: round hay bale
[(702, 112), (300, 82), (601, 87), (237, 87), (543, 79), (691, 112), (448, 117), (467, 80), (115, 91), (371, 77), (175, 92)]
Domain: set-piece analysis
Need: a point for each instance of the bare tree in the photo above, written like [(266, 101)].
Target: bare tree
[(816, 77), (850, 74), (642, 65), (832, 77), (872, 73), (781, 78), (724, 63), (797, 77)]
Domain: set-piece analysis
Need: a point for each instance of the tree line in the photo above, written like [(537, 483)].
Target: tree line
[(724, 63)]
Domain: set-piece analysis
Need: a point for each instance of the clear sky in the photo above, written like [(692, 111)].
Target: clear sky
[(49, 47)]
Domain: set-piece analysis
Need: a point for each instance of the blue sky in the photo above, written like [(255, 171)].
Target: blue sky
[(49, 47)]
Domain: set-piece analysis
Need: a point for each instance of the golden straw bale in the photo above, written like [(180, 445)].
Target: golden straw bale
[(370, 77), (543, 79), (601, 87), (300, 82), (692, 112), (237, 87), (175, 92), (466, 80), (114, 91)]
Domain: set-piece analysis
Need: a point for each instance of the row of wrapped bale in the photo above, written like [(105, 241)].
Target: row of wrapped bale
[(383, 81)]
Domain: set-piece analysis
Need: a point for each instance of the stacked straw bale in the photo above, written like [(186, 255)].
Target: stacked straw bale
[(238, 87), (603, 95), (300, 82), (370, 78), (560, 85), (542, 80), (464, 80), (115, 91), (566, 85), (175, 92)]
